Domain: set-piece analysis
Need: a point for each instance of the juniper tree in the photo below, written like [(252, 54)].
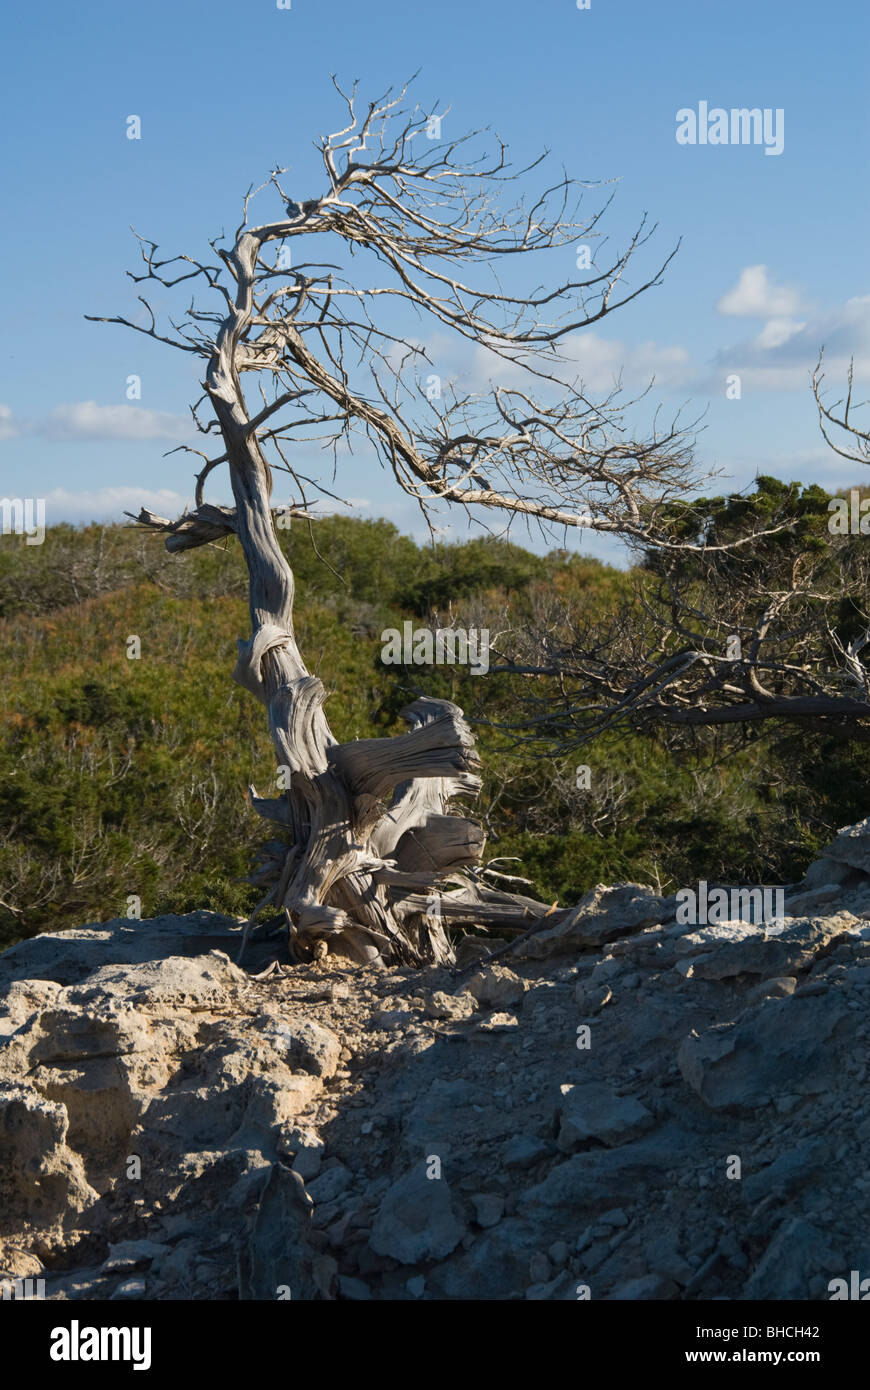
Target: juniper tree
[(373, 855)]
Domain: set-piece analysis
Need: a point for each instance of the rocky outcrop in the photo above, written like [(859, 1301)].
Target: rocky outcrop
[(620, 1106)]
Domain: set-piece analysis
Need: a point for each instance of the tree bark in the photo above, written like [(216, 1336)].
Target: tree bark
[(369, 824)]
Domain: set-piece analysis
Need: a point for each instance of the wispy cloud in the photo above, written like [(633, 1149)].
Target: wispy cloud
[(781, 357), (89, 421), (85, 420), (9, 427), (755, 296), (110, 503), (596, 362)]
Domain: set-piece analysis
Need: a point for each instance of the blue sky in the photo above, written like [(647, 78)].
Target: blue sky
[(773, 262)]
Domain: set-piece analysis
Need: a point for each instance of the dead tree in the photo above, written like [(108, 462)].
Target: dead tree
[(373, 857), (771, 633)]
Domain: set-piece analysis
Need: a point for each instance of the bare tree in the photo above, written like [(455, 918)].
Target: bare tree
[(371, 841), (775, 632), (847, 436)]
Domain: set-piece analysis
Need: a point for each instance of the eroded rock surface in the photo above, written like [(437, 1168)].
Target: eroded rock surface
[(172, 1126)]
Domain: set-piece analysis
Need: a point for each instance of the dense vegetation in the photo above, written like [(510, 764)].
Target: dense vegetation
[(124, 777)]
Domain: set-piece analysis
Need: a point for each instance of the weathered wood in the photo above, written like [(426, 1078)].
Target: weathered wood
[(374, 856)]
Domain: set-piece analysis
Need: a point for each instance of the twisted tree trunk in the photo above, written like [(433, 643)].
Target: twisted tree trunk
[(370, 836)]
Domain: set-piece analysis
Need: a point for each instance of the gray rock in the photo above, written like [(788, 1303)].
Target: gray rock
[(277, 1253), (592, 998), (129, 1288), (417, 1220), (132, 1254), (647, 1286), (331, 1183), (779, 987), (728, 949), (783, 1046), (457, 1007), (558, 1253), (36, 1165), (498, 1023), (592, 1110), (605, 971), (488, 1208), (496, 987), (814, 901), (602, 915), (309, 1046), (308, 1150), (851, 847), (496, 1266), (446, 1118), (73, 954), (798, 1254), (664, 1256), (392, 1020), (598, 1179), (355, 1289), (613, 1220), (524, 1150), (787, 1173)]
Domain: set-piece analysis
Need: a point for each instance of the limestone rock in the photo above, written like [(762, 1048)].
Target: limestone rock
[(488, 1208), (783, 1045), (456, 1007), (591, 1110), (592, 998), (850, 847), (728, 949), (602, 915), (277, 1257), (498, 1023), (161, 1112), (798, 1253), (308, 1046), (417, 1219), (496, 987), (525, 1150), (39, 1174), (331, 1183)]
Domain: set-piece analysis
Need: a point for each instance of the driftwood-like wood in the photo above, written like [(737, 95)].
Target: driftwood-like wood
[(372, 853)]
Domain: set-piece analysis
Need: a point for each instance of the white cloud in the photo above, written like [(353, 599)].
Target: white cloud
[(597, 362), (782, 356), (87, 420), (110, 503), (778, 331), (8, 426), (602, 361), (755, 297)]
